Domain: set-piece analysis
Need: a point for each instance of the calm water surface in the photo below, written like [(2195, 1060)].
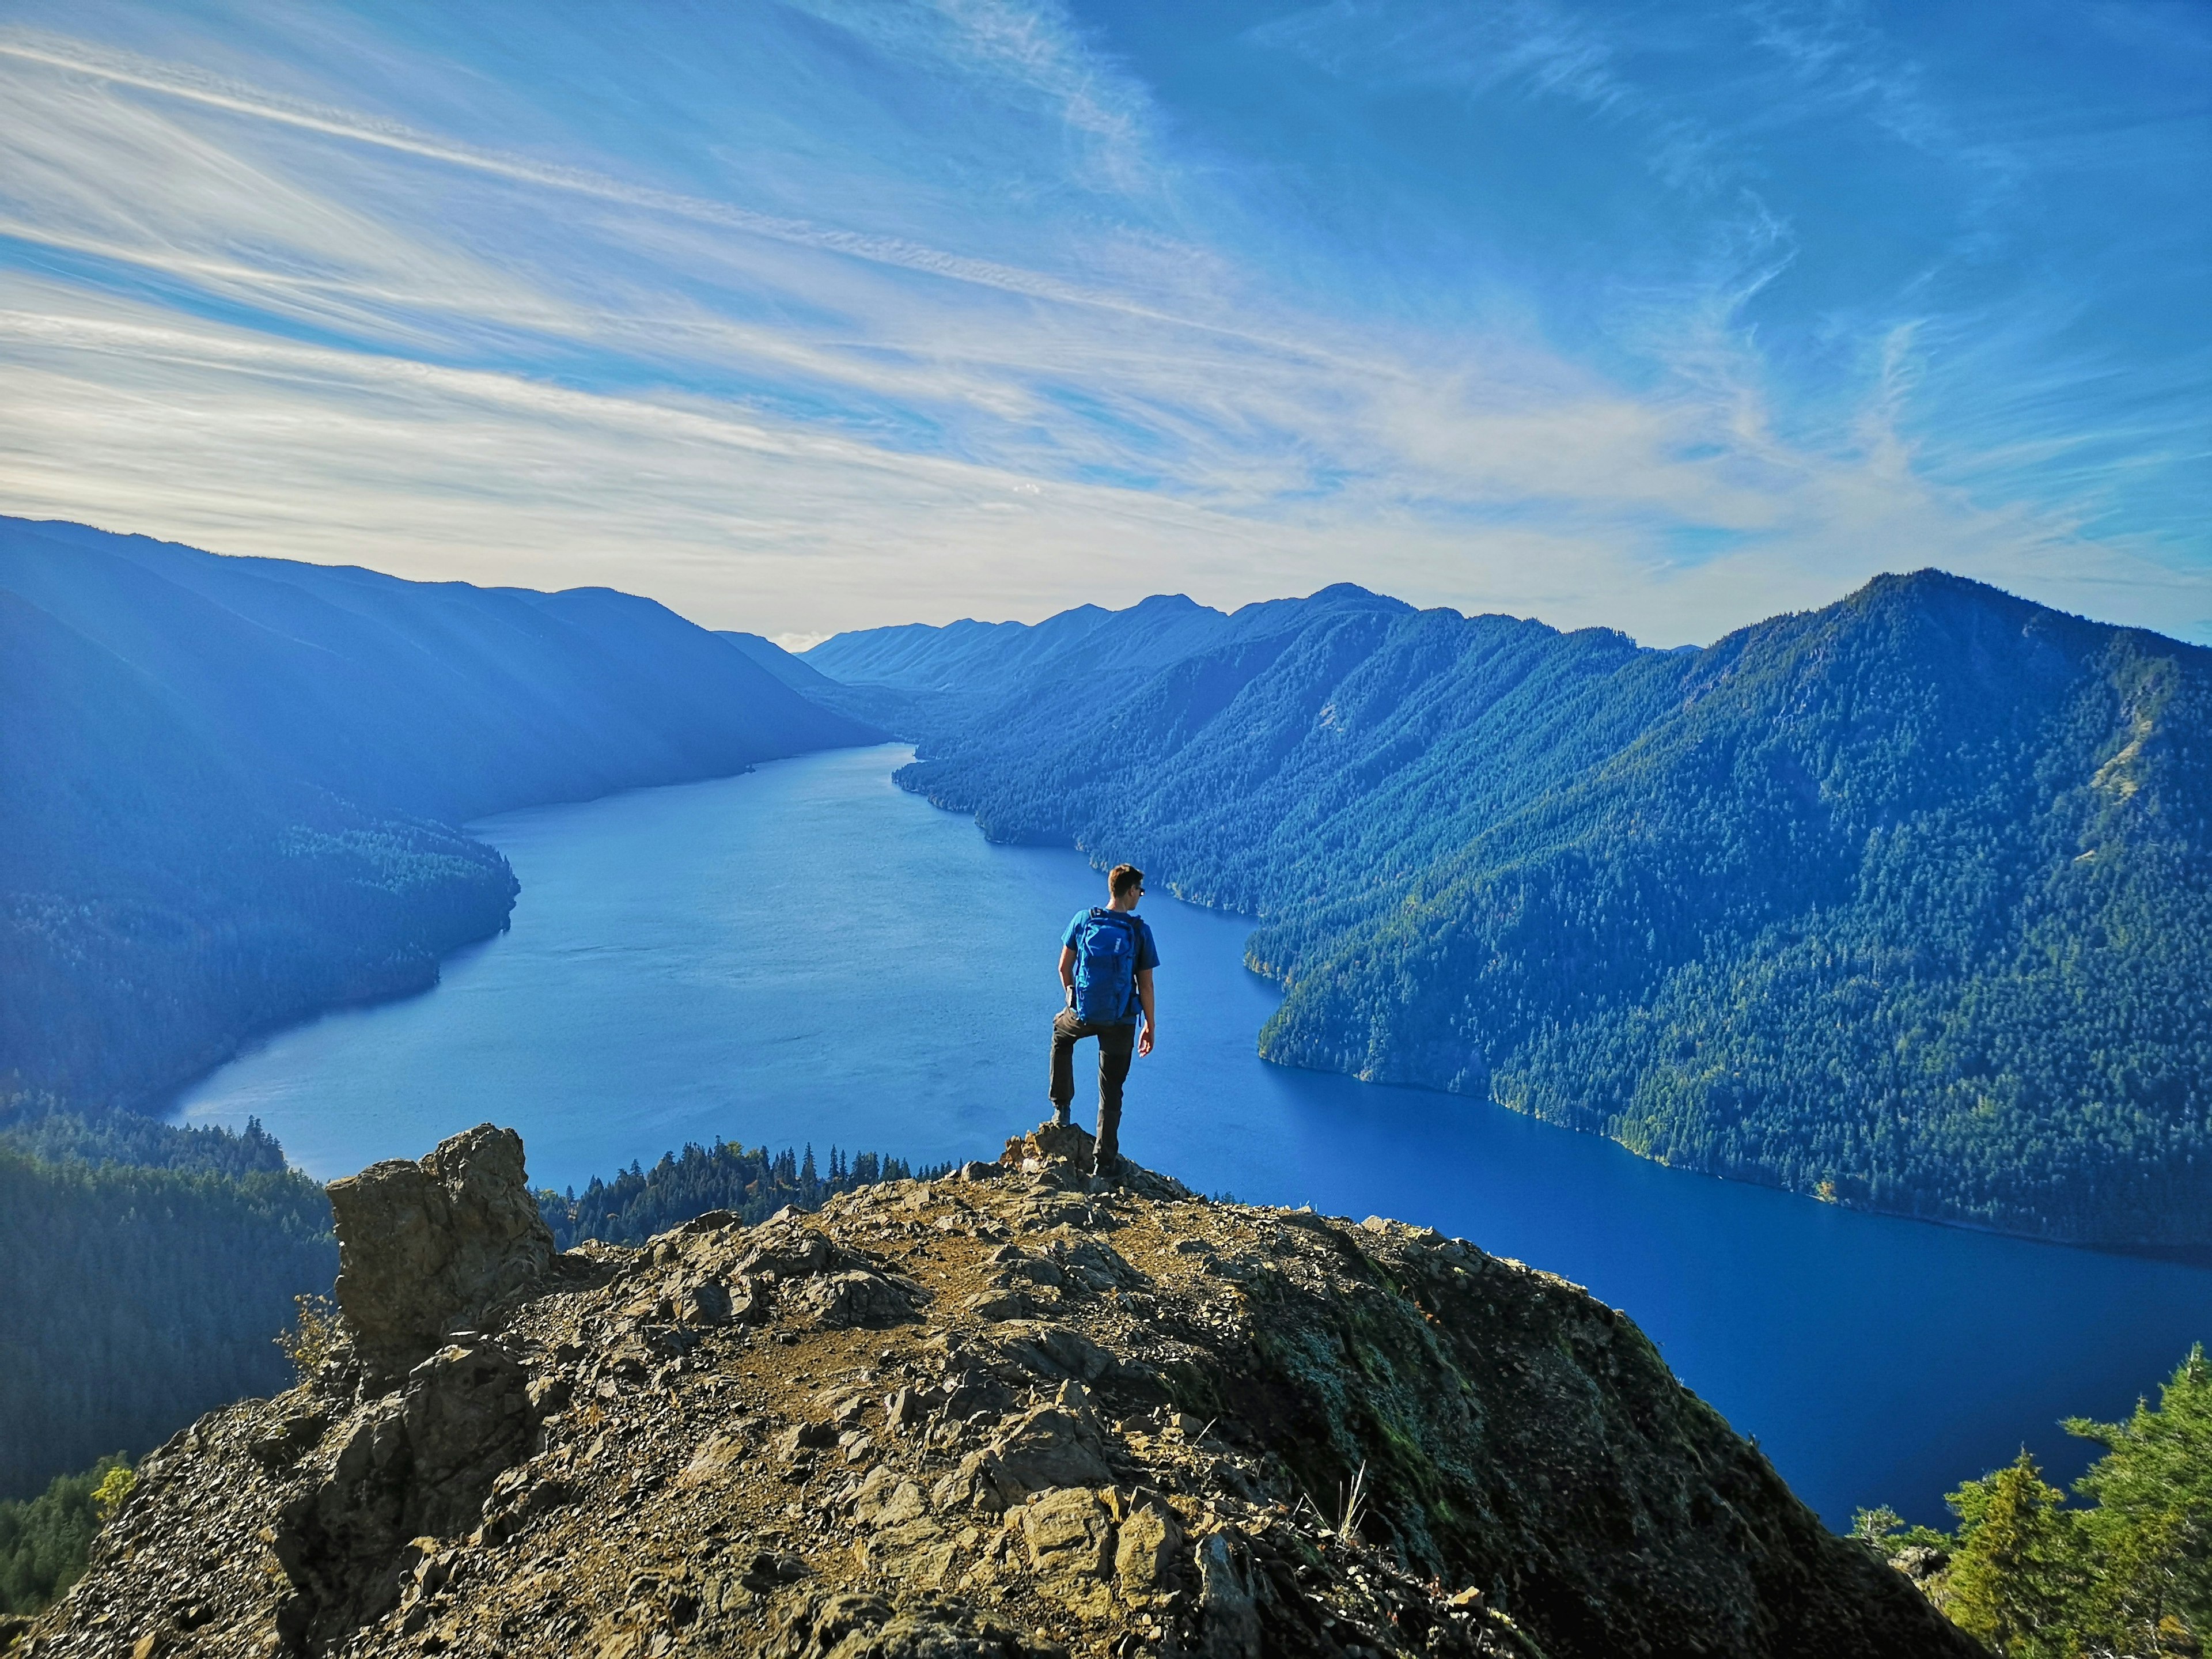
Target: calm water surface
[(807, 955)]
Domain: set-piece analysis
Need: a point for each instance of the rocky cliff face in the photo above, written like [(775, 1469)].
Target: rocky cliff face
[(990, 1415)]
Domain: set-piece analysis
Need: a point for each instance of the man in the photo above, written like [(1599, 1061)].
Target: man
[(1106, 963)]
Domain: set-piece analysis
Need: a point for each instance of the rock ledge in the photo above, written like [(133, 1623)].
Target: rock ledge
[(995, 1415)]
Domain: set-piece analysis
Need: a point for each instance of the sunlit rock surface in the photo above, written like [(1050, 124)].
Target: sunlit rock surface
[(995, 1414)]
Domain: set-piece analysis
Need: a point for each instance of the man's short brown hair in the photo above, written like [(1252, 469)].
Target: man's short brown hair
[(1123, 878)]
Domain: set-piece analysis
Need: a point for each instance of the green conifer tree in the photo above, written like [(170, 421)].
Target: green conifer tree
[(44, 1541), (2018, 1574), (2150, 1532)]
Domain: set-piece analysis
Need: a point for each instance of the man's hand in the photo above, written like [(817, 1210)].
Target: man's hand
[(1145, 1039)]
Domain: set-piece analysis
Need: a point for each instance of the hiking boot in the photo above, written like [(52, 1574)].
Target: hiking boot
[(1060, 1117), (1106, 1175)]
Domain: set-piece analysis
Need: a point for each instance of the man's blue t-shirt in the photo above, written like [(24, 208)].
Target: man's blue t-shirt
[(1148, 955)]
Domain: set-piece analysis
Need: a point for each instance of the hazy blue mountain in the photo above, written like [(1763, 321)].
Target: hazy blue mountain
[(1022, 683), (963, 656), (231, 784), (888, 709), (976, 660), (1901, 901), (160, 897), (438, 698), (807, 682)]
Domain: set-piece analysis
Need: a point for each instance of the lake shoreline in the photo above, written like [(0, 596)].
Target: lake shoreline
[(2195, 1255), (669, 977)]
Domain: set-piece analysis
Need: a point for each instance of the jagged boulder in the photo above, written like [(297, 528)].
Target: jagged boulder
[(1064, 1149), (417, 1464), (423, 1246), (1147, 1552)]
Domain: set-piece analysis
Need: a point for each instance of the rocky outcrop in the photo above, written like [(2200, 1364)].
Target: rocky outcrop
[(990, 1416), (418, 1465), (423, 1246)]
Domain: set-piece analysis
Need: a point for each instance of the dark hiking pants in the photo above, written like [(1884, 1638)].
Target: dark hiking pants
[(1117, 1047)]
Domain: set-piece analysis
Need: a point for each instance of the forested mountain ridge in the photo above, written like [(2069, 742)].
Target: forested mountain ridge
[(440, 699), (1906, 904), (230, 785), (1018, 685), (159, 900), (1905, 901)]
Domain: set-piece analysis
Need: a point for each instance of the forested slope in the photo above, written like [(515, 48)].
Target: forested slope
[(1907, 901), (45, 1541), (159, 898), (228, 786), (138, 1298)]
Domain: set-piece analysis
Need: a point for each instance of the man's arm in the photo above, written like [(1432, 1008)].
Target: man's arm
[(1151, 1018), (1067, 972)]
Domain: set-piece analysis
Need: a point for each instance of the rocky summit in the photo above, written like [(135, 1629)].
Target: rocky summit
[(989, 1415)]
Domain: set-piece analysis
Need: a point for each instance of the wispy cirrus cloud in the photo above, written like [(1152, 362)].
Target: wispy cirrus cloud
[(113, 163), (903, 312)]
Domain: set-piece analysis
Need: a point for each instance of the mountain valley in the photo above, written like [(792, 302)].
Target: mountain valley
[(1901, 903)]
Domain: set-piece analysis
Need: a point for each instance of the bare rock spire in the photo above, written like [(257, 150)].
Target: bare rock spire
[(423, 1246)]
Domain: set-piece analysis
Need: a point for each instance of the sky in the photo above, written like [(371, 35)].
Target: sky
[(816, 316)]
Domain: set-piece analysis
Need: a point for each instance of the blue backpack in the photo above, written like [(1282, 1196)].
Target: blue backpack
[(1106, 968)]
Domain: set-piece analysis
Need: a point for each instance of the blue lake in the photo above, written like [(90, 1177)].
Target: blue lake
[(807, 955)]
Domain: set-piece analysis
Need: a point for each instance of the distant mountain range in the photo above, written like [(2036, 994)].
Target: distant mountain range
[(231, 785), (809, 683), (1905, 903)]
